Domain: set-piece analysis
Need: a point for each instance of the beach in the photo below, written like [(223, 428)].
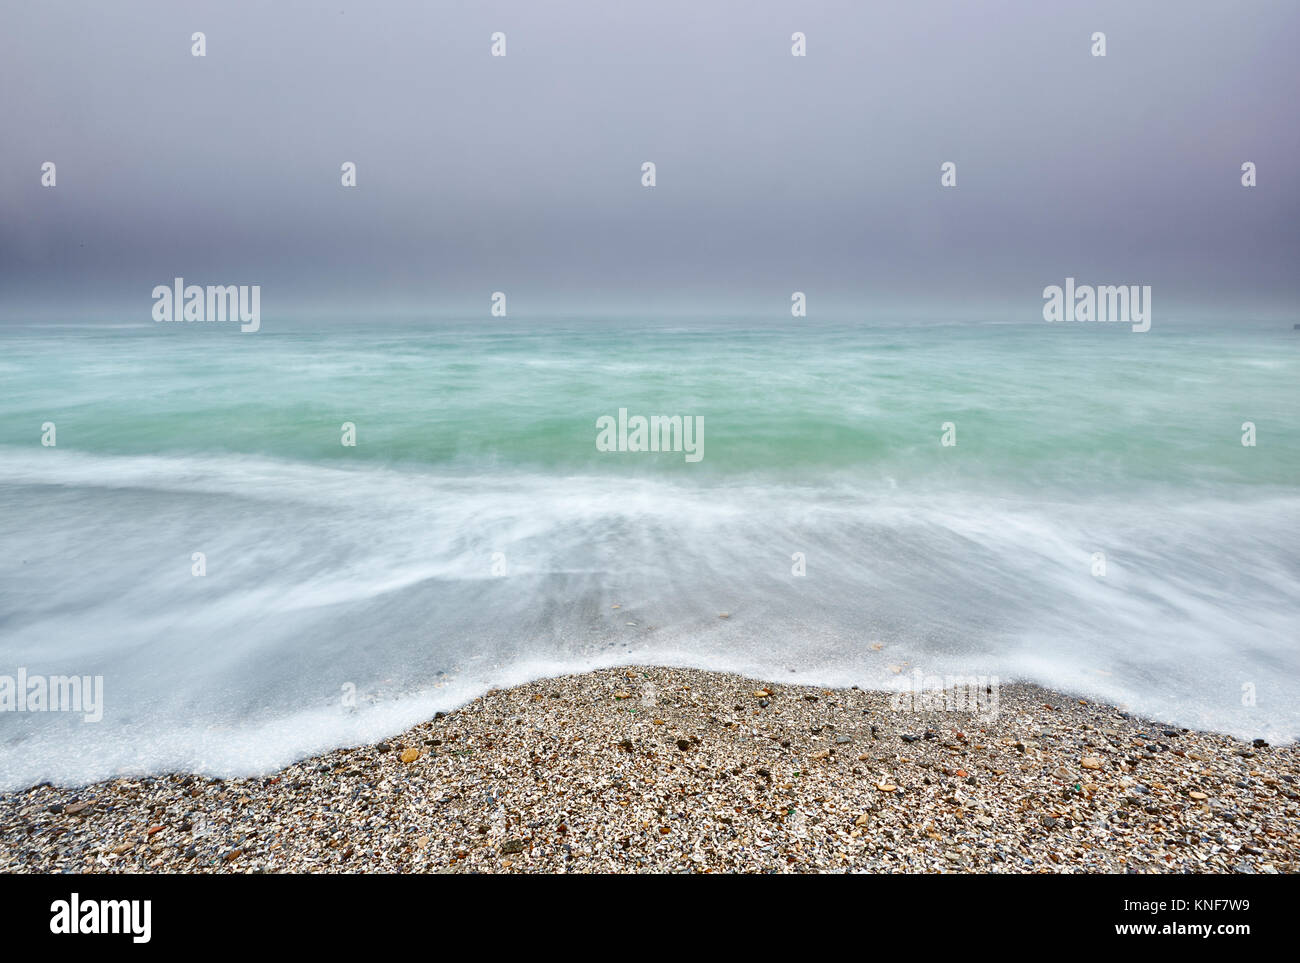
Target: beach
[(647, 769), (712, 438)]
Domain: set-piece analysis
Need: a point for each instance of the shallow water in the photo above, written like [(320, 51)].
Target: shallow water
[(374, 568)]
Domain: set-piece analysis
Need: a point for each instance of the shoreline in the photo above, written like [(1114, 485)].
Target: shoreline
[(651, 769)]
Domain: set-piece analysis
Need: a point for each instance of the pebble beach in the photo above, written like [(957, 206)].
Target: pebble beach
[(645, 769)]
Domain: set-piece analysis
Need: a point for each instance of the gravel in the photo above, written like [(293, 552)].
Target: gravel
[(643, 769)]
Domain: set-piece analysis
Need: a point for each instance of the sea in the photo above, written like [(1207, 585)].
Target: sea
[(1112, 514)]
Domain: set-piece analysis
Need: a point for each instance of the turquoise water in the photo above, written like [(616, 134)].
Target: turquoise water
[(374, 568)]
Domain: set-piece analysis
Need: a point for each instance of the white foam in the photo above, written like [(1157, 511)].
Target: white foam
[(381, 578)]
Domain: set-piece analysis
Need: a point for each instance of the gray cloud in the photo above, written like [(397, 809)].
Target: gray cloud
[(522, 173)]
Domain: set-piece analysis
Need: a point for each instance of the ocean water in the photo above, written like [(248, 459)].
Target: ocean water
[(475, 536)]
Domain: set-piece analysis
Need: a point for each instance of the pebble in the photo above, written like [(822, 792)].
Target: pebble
[(700, 786)]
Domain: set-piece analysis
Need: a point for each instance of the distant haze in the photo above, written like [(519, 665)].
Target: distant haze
[(775, 173)]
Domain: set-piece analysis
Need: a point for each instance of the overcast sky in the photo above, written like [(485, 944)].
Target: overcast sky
[(523, 173)]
